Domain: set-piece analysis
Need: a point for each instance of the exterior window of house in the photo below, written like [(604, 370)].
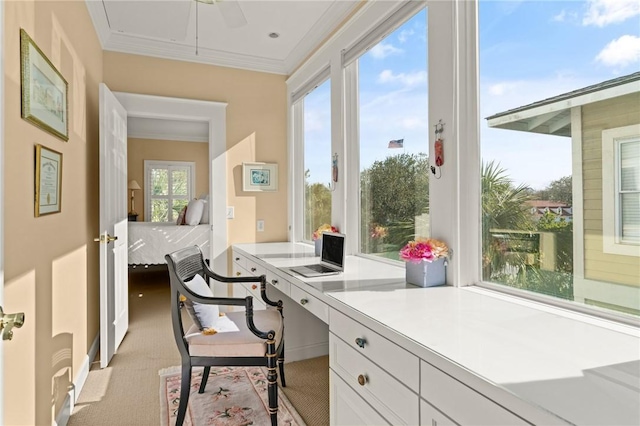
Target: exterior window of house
[(169, 185), (393, 138), (317, 158), (629, 191), (545, 174)]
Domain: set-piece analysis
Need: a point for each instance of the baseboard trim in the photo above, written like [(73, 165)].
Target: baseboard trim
[(306, 352), (62, 418)]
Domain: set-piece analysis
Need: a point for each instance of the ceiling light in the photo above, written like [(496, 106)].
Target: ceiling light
[(274, 35)]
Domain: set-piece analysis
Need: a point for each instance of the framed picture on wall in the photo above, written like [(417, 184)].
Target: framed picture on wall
[(259, 177), (48, 181), (44, 90)]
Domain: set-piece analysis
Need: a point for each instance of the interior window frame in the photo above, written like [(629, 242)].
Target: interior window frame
[(150, 165)]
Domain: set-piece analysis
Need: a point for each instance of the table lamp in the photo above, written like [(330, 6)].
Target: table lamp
[(133, 186)]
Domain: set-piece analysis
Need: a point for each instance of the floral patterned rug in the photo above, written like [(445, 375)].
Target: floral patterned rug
[(233, 396)]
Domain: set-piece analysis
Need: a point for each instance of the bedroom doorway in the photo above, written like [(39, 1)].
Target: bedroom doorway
[(213, 115)]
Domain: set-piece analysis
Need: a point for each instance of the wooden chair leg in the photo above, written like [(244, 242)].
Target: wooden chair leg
[(281, 368), (185, 387), (272, 381), (205, 377)]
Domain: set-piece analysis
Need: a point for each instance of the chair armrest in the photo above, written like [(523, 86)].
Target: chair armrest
[(247, 302), (262, 279)]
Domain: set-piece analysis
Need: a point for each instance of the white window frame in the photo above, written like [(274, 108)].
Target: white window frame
[(453, 74), (160, 164), (611, 211)]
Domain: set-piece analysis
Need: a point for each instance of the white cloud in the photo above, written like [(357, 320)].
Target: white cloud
[(605, 12), (620, 52), (560, 17), (500, 89), (404, 35), (382, 50), (407, 80)]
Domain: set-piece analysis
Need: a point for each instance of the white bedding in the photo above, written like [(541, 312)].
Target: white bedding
[(149, 242)]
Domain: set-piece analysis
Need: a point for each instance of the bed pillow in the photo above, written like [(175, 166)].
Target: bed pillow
[(205, 210), (181, 216), (194, 212), (203, 316)]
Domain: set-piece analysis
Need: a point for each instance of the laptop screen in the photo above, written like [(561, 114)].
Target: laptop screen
[(333, 249)]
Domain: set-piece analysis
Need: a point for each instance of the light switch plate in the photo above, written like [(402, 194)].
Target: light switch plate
[(260, 226), (230, 212)]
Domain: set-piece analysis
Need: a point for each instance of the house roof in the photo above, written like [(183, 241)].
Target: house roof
[(552, 116)]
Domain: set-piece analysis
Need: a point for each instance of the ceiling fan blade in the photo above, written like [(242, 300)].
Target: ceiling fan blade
[(231, 13)]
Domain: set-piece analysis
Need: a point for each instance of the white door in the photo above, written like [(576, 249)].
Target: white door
[(114, 286)]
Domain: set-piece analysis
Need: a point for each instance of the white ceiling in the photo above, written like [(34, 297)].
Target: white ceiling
[(167, 29)]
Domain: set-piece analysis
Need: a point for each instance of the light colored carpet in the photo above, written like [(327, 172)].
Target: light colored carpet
[(126, 393), (233, 396)]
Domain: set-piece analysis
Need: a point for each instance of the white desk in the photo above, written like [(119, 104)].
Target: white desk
[(532, 363)]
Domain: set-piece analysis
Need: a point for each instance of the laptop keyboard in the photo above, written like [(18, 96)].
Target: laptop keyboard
[(320, 268)]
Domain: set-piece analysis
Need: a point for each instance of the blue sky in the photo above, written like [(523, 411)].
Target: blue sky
[(529, 51)]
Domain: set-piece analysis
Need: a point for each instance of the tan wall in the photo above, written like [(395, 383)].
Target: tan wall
[(150, 149), (256, 127), (51, 271), (597, 117)]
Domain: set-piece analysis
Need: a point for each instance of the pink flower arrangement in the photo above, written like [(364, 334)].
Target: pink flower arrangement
[(427, 249), (324, 228)]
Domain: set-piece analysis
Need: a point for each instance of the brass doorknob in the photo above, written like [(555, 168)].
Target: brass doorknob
[(8, 321), (103, 239), (238, 273)]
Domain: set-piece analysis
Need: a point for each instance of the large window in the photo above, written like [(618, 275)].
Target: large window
[(168, 187), (317, 158), (553, 76), (393, 140)]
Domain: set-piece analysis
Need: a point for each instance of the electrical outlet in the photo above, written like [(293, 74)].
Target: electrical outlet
[(230, 212), (260, 225)]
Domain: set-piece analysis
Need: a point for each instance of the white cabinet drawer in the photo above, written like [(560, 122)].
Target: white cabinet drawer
[(429, 416), (310, 303), (239, 260), (397, 361), (462, 404), (393, 400), (278, 282), (347, 408), (253, 289)]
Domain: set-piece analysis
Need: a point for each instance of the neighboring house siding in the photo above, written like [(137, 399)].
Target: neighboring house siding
[(596, 117)]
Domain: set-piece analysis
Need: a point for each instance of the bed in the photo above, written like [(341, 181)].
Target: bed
[(149, 242)]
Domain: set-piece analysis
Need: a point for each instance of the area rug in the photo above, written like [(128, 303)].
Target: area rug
[(233, 396)]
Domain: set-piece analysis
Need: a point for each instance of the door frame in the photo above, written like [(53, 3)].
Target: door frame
[(1, 205), (214, 113)]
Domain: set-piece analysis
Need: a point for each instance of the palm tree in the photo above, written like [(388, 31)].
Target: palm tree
[(503, 207)]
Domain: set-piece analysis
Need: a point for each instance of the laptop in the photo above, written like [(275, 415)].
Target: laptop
[(331, 258)]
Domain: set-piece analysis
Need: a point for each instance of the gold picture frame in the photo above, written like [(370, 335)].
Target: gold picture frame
[(48, 182), (259, 177), (44, 90)]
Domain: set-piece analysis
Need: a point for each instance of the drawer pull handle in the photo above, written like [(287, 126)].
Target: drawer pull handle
[(360, 342), (304, 301), (254, 286), (253, 269), (238, 273), (237, 258), (274, 282), (362, 379)]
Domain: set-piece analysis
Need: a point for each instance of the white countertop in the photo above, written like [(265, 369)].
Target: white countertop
[(577, 367)]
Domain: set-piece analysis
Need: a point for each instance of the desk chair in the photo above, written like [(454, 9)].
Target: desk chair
[(202, 346)]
